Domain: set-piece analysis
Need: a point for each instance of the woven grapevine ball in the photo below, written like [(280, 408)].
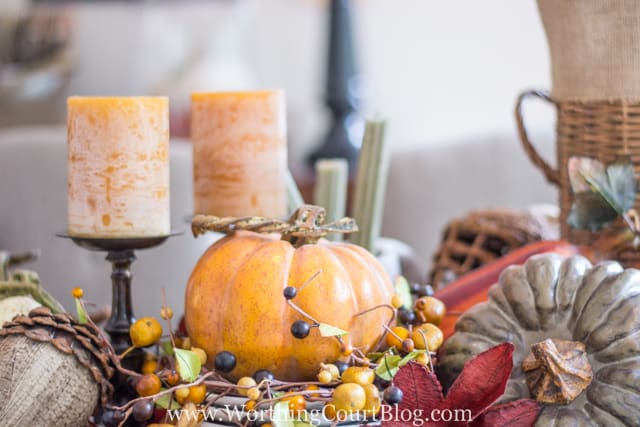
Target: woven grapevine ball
[(576, 331), (53, 371), (234, 298)]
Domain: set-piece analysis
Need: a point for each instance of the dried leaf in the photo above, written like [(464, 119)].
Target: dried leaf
[(482, 380), (331, 331), (622, 183), (520, 413), (590, 212), (581, 167)]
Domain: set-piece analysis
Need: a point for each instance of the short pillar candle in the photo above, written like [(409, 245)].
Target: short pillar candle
[(118, 167), (239, 153)]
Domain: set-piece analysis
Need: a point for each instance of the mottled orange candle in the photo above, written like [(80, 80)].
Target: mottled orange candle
[(239, 153), (118, 166)]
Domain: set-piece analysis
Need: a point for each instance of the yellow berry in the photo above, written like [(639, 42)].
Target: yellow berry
[(358, 375), (324, 376), (253, 393), (333, 370), (145, 331), (346, 349), (424, 360), (166, 313), (430, 310), (149, 366), (201, 354), (429, 332), (373, 400), (397, 301), (244, 385), (181, 395), (349, 397), (77, 292)]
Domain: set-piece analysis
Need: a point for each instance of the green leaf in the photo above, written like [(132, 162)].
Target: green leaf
[(301, 424), (281, 416), (590, 212), (403, 290), (388, 367), (163, 402), (166, 348), (409, 357), (82, 314), (331, 331), (188, 364), (622, 184)]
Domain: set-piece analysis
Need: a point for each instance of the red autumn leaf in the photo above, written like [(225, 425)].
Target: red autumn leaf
[(482, 380), (523, 412), (420, 390)]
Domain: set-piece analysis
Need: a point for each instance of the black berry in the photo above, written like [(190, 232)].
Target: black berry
[(262, 375), (392, 395), (142, 410), (290, 292), (225, 361), (405, 316), (300, 329), (425, 291)]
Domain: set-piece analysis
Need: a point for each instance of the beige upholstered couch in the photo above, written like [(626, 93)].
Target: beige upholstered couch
[(426, 188)]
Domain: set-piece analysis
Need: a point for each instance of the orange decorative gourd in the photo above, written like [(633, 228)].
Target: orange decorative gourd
[(235, 302)]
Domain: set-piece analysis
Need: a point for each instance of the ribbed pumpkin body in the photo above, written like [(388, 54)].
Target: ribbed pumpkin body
[(234, 302), (565, 299)]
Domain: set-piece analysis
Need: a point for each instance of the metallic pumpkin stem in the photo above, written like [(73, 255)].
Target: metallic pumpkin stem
[(305, 226)]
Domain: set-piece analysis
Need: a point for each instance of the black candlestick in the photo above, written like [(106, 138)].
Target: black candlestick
[(342, 91), (120, 253)]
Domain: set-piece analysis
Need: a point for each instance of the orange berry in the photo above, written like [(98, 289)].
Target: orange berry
[(172, 378), (250, 405), (145, 331), (149, 366), (77, 292), (396, 336), (148, 385), (197, 393), (346, 349), (313, 387), (297, 404)]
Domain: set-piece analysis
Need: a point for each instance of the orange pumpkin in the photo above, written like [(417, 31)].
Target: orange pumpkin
[(235, 301)]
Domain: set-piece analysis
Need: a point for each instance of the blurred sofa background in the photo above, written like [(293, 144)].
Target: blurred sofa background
[(444, 74)]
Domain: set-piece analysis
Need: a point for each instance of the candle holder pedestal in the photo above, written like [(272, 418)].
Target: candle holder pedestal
[(120, 253)]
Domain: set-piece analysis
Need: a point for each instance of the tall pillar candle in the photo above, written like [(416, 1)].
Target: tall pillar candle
[(118, 166), (239, 153)]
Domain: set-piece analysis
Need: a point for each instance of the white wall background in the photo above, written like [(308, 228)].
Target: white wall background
[(441, 71)]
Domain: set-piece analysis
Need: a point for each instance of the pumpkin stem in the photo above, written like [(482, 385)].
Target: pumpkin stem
[(557, 371), (306, 225)]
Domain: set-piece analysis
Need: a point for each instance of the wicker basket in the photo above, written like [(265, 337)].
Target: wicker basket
[(481, 237), (604, 130)]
